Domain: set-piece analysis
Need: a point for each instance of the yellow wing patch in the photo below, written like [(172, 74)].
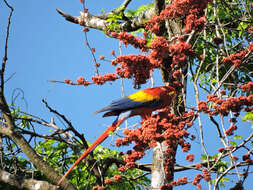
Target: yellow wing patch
[(142, 97)]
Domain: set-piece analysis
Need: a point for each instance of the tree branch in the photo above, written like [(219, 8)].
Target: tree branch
[(5, 58), (227, 170), (159, 5), (69, 124), (100, 23), (20, 183)]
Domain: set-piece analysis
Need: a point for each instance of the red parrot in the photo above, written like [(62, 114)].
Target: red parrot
[(142, 103)]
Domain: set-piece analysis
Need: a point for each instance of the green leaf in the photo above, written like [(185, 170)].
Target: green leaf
[(222, 166), (102, 10), (242, 26), (224, 179), (238, 137), (203, 157), (214, 81), (233, 143), (248, 117)]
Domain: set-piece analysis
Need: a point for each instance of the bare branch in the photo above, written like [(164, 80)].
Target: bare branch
[(69, 124), (73, 19), (122, 7), (57, 131), (6, 38)]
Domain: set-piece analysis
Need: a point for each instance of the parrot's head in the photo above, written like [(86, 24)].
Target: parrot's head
[(168, 90), (168, 94)]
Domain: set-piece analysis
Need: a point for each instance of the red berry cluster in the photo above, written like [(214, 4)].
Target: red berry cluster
[(159, 51), (102, 57), (250, 47), (194, 21), (206, 175), (132, 156), (117, 177), (230, 130), (122, 169), (127, 38), (198, 166), (221, 149), (225, 150), (177, 85), (180, 181), (232, 120), (153, 25), (191, 10), (189, 157), (177, 74), (98, 188), (114, 179), (68, 81), (99, 79), (203, 106), (247, 87), (80, 81), (224, 106), (197, 179), (137, 67), (186, 147), (180, 49), (108, 181), (237, 59), (246, 158)]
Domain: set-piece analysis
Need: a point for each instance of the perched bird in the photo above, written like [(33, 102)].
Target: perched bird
[(142, 103)]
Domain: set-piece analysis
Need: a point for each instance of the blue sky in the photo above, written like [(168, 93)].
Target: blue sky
[(43, 47)]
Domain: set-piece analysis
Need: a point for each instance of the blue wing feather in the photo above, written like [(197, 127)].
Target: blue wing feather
[(126, 103)]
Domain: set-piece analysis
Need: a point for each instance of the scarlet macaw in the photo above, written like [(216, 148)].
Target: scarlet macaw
[(142, 103)]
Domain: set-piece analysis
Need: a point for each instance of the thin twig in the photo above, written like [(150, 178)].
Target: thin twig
[(199, 121), (69, 124), (5, 58)]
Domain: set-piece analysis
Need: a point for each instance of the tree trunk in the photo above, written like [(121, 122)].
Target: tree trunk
[(158, 176)]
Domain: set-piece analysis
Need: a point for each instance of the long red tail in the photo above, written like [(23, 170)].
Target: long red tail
[(99, 140)]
